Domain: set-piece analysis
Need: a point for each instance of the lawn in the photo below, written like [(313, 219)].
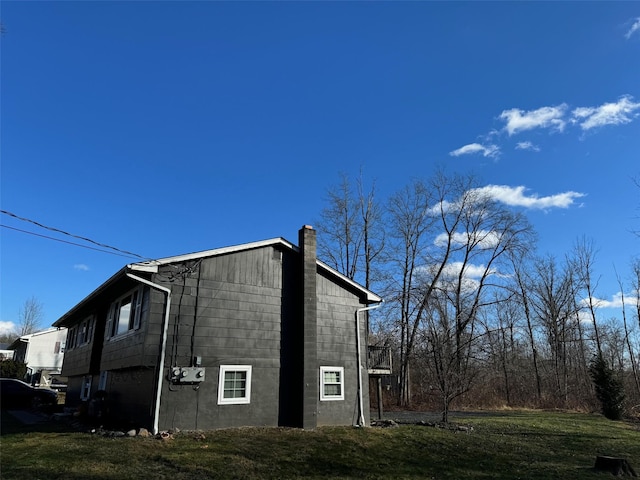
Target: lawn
[(528, 445)]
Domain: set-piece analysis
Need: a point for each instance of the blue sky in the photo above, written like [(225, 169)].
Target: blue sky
[(164, 128)]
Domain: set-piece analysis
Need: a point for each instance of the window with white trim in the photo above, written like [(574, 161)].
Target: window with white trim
[(234, 384), (127, 312), (85, 390), (331, 383)]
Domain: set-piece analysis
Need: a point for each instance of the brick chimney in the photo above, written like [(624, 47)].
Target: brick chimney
[(307, 244)]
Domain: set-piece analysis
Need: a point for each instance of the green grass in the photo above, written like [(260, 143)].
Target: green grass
[(531, 445)]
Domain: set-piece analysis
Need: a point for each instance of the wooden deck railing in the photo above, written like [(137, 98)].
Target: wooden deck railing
[(379, 360)]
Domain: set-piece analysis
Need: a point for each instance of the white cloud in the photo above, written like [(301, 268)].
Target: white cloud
[(470, 278), (620, 112), (491, 151), (554, 118), (452, 270), (81, 266), (7, 327), (635, 27), (614, 302), (546, 117), (516, 197), (527, 146), (484, 239)]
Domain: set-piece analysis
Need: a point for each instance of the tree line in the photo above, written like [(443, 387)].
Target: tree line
[(30, 316), (474, 315)]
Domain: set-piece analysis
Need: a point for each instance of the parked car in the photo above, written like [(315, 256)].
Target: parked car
[(17, 394), (58, 383)]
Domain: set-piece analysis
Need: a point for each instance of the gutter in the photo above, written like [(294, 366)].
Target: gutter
[(361, 422), (165, 327)]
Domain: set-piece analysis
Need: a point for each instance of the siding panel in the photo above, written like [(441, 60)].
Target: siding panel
[(238, 321)]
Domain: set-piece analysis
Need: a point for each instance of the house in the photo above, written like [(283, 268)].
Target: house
[(259, 334), (42, 352), (5, 353)]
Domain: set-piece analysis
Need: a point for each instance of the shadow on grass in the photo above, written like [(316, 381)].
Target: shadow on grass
[(14, 422)]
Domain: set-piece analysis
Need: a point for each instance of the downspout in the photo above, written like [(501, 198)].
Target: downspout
[(361, 422), (165, 327)]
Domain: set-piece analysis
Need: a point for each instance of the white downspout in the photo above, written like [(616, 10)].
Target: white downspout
[(165, 327), (361, 422)]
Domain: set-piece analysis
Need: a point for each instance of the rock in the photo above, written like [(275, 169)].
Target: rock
[(384, 424), (143, 432), (131, 433)]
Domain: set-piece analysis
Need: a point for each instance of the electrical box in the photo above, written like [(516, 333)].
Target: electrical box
[(187, 374)]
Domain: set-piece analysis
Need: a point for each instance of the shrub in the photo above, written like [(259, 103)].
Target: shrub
[(13, 369)]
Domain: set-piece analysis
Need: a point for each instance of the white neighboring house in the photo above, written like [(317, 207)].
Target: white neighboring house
[(5, 353), (43, 353)]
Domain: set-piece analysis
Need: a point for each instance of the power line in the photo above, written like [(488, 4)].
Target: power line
[(85, 239), (66, 241)]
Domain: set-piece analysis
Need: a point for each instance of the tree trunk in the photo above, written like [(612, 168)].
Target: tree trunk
[(616, 466)]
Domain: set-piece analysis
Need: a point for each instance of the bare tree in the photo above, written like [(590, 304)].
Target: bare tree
[(627, 338), (636, 288), (501, 327), (554, 305), (351, 236), (409, 221), (582, 264), (373, 233), (487, 233), (340, 230), (30, 316), (523, 288), (450, 240)]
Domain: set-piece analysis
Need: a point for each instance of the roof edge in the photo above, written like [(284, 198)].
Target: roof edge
[(152, 266), (371, 297)]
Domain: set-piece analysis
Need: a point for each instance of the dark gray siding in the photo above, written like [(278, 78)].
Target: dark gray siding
[(85, 359), (124, 351), (228, 313), (131, 349), (337, 348), (77, 361), (72, 396), (240, 308), (130, 396)]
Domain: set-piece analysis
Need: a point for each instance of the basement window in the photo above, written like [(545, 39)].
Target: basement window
[(102, 382), (85, 390), (331, 383), (234, 384)]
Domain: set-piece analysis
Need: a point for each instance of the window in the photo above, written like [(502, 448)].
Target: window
[(331, 383), (126, 313), (85, 331), (102, 382), (71, 336), (85, 390), (81, 334), (234, 385)]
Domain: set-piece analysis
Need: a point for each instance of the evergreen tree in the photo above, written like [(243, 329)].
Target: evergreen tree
[(609, 387), (12, 369)]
